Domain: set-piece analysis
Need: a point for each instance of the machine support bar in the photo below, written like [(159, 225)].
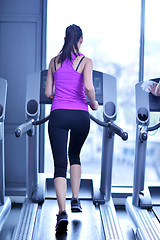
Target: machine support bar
[(139, 173), (32, 166), (106, 168), (2, 182)]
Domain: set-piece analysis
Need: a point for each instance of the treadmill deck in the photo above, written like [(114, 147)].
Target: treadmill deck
[(83, 225)]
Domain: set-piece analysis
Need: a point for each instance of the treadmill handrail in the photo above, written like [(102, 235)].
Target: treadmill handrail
[(99, 122), (43, 120), (155, 127), (24, 128), (112, 126), (119, 131)]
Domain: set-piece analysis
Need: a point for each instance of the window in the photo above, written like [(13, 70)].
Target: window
[(151, 71), (111, 31)]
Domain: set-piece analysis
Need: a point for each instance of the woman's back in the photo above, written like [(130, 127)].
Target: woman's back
[(69, 85)]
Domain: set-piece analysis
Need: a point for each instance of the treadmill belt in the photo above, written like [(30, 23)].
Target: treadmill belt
[(156, 210), (85, 225)]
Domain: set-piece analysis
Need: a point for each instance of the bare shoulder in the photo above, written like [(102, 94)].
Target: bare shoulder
[(88, 63), (51, 64), (88, 60)]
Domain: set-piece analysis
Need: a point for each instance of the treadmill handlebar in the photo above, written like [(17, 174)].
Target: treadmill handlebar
[(155, 127), (112, 126), (24, 128), (43, 120), (27, 126), (119, 131), (143, 134), (99, 122)]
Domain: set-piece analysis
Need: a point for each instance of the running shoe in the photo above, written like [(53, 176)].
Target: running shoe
[(75, 205), (62, 222)]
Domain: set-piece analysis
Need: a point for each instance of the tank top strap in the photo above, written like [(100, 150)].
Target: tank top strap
[(55, 64), (80, 63)]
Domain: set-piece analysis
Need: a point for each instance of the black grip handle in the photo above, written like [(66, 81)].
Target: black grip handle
[(99, 122), (23, 128), (43, 120), (119, 131), (112, 126), (155, 127)]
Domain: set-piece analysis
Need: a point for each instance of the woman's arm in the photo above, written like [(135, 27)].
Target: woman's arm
[(50, 81), (89, 88)]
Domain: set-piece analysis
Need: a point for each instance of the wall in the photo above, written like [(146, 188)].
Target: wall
[(22, 51)]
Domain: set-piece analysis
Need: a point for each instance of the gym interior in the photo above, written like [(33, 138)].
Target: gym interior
[(120, 185)]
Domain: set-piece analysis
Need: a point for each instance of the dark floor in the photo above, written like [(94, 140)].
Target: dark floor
[(125, 223)]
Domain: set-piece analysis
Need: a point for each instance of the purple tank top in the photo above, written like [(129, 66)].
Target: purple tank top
[(69, 88)]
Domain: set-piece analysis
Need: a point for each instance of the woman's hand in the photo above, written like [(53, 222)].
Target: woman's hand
[(155, 89), (94, 106)]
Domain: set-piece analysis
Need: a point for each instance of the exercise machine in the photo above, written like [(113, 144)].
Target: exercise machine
[(98, 219), (5, 202), (144, 212)]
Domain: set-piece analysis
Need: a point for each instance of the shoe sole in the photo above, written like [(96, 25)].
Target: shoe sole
[(76, 209), (62, 226)]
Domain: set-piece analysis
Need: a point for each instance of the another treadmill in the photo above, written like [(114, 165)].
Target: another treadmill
[(38, 215), (5, 202), (144, 205)]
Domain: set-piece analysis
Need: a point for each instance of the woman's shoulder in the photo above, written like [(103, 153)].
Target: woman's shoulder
[(53, 63), (88, 61), (54, 59)]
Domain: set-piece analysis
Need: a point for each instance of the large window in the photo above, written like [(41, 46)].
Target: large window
[(111, 32), (151, 71)]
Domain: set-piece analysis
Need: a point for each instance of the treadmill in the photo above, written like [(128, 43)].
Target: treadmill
[(38, 214), (144, 205), (5, 202)]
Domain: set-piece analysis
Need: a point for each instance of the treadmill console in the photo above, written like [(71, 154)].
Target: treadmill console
[(43, 98), (97, 82)]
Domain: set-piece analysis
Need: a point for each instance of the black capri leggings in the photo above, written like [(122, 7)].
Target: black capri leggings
[(60, 122)]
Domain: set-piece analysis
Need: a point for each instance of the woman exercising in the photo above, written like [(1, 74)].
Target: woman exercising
[(69, 77)]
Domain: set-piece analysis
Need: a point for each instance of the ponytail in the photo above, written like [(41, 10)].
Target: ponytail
[(72, 36)]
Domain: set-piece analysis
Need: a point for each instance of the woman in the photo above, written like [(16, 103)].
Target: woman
[(70, 77)]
